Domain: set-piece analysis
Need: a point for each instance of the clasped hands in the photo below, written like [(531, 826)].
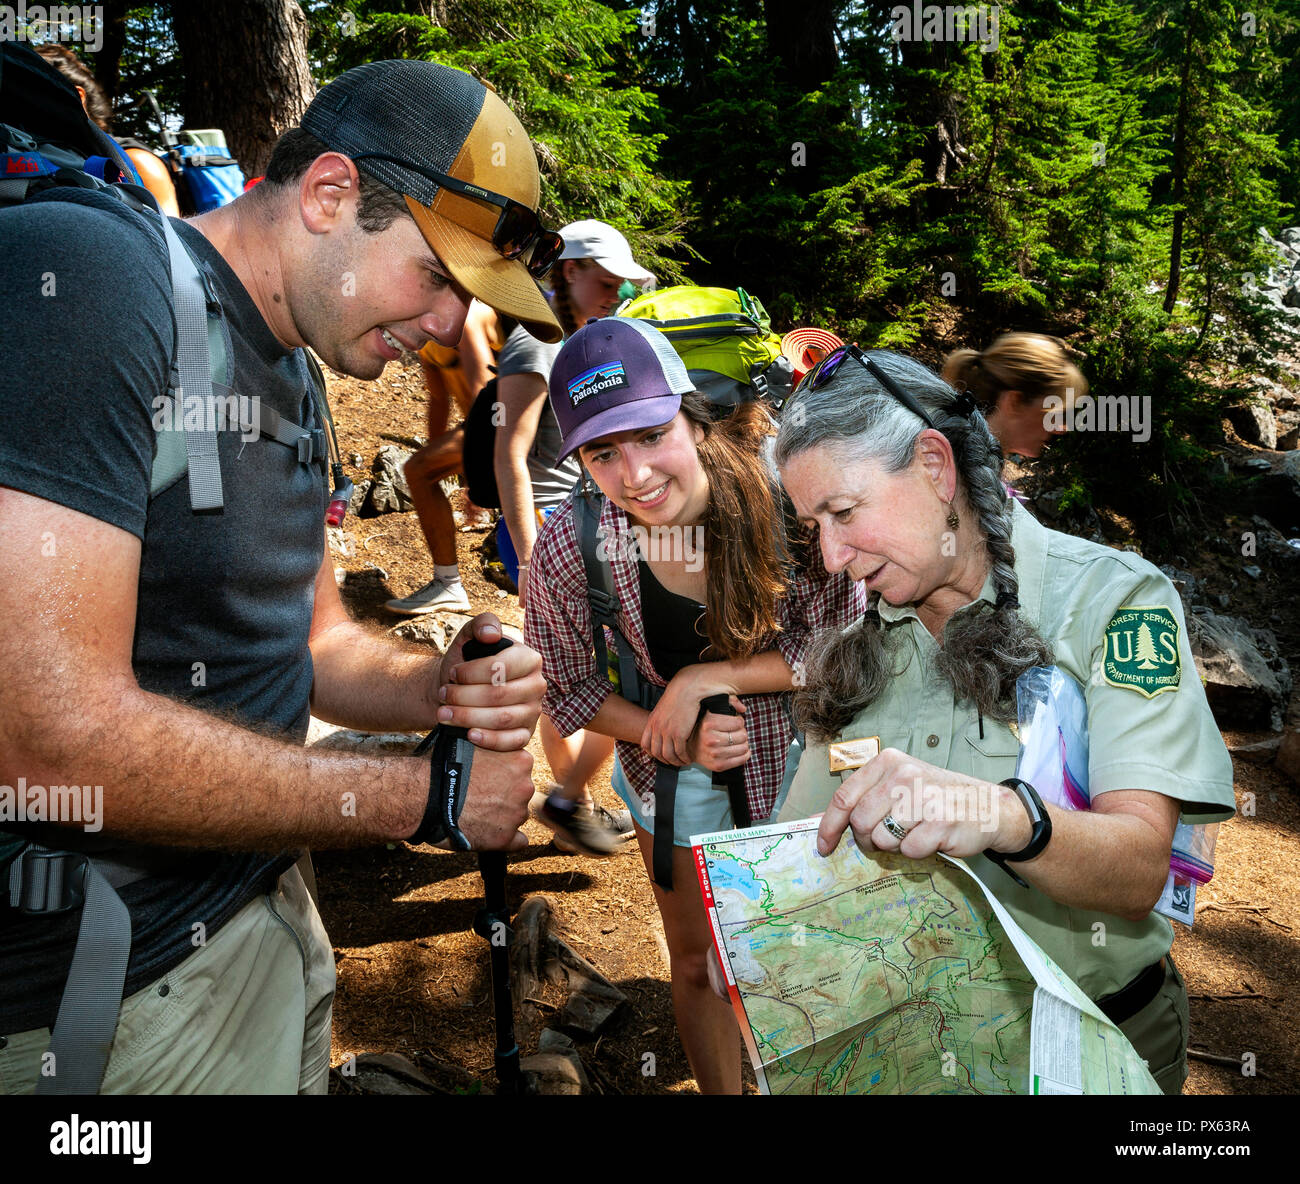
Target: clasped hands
[(677, 734)]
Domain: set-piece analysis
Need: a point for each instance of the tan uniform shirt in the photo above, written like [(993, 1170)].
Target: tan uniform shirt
[(1115, 623)]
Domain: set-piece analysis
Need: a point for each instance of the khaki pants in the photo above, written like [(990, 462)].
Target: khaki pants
[(1159, 1031), (248, 1012)]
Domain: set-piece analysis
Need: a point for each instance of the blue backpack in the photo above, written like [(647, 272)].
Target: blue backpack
[(205, 176)]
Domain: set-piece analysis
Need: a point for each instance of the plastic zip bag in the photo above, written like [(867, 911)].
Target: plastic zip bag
[(1053, 724)]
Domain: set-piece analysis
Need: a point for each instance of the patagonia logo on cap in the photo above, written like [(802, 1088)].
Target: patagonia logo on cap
[(596, 381)]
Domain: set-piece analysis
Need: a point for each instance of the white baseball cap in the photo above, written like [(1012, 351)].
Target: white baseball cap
[(590, 239)]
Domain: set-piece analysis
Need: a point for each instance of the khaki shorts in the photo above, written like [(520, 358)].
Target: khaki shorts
[(247, 1013)]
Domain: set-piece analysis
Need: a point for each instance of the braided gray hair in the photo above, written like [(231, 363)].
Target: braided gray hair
[(983, 652)]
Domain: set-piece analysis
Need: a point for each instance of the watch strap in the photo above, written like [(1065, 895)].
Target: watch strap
[(1039, 836)]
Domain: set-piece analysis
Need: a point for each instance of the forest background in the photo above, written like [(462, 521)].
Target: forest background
[(1098, 171)]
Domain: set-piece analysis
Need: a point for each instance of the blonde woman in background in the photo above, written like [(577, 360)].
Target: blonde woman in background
[(1012, 382)]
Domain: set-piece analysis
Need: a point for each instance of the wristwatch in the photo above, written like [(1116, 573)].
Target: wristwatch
[(1039, 836)]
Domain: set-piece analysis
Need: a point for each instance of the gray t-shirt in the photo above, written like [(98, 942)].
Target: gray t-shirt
[(524, 354), (225, 600)]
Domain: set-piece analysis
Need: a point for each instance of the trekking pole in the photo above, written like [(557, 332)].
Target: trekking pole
[(492, 922)]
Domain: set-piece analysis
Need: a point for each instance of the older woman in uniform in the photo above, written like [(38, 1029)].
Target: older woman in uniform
[(967, 591)]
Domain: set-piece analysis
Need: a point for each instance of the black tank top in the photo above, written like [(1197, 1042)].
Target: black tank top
[(674, 625)]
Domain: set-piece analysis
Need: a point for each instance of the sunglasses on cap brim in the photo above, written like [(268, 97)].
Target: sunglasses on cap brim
[(518, 228), (826, 369)]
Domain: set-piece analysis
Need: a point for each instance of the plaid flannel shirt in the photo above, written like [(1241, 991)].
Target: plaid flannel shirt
[(557, 624)]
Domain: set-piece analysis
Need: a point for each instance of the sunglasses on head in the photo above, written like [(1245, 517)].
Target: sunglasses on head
[(517, 228), (826, 369)]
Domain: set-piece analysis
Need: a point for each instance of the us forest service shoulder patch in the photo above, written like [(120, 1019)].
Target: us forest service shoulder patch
[(1141, 650)]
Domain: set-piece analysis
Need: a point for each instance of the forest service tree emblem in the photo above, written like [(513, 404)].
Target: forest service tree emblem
[(1141, 650)]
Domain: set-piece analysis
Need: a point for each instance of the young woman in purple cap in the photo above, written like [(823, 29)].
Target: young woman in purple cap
[(710, 604)]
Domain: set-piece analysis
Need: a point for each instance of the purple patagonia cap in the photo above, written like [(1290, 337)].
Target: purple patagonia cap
[(618, 374)]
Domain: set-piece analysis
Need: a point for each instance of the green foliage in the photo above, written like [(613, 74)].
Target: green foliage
[(554, 63), (910, 185)]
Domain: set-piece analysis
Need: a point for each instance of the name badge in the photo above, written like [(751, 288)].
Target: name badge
[(853, 754)]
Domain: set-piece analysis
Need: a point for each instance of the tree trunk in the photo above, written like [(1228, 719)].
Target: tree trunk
[(802, 35), (108, 61), (246, 72), (1180, 171)]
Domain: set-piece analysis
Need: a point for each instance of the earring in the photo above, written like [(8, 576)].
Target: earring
[(953, 520)]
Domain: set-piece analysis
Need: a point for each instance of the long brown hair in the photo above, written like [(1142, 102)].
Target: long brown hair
[(742, 529)]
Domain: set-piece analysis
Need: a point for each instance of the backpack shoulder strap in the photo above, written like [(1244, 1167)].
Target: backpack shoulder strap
[(203, 352), (602, 597), (194, 366)]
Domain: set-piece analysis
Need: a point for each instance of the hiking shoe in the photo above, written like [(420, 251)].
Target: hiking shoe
[(586, 830), (435, 595)]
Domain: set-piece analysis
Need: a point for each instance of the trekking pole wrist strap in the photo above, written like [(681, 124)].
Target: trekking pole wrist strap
[(449, 766)]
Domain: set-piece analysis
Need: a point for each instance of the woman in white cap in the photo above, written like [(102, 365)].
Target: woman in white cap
[(715, 609), (533, 478)]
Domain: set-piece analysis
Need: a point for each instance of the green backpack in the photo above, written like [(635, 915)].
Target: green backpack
[(725, 338)]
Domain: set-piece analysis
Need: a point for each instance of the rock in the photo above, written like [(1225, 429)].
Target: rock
[(538, 951), (1288, 754), (1291, 297), (360, 491), (1254, 423), (554, 1073), (1247, 681), (1185, 584), (1256, 464), (1079, 519), (1272, 546), (329, 736), (1252, 572), (356, 458), (1263, 387), (554, 1041), (1276, 495), (440, 629), (340, 544), (430, 627), (1291, 237), (388, 1074), (1257, 754), (389, 493), (1288, 431)]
